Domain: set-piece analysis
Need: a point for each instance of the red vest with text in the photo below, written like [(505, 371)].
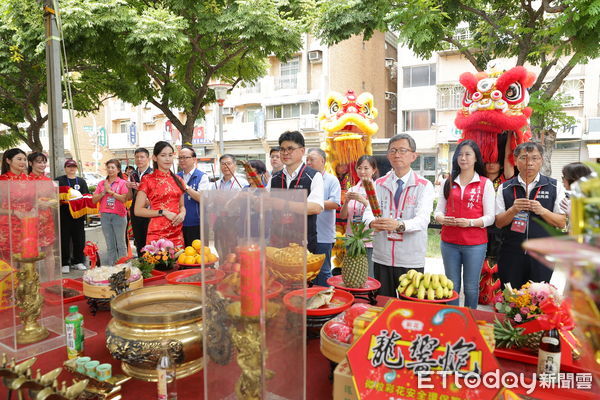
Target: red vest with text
[(470, 206)]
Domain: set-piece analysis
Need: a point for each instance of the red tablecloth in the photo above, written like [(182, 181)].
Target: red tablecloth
[(192, 388)]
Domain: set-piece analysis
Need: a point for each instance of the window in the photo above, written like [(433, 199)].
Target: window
[(292, 110), (288, 75), (418, 120), (422, 75), (250, 114), (124, 126), (449, 97), (573, 92)]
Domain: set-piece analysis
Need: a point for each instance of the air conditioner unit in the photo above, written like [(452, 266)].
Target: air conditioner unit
[(227, 110), (390, 62), (390, 95), (593, 124), (315, 56)]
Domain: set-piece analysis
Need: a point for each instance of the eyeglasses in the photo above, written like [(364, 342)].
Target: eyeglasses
[(400, 150), (288, 149), (185, 158), (534, 158)]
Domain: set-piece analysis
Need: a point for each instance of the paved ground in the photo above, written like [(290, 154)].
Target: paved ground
[(432, 265)]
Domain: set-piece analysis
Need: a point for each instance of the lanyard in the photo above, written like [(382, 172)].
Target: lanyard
[(226, 184), (534, 197), (297, 178)]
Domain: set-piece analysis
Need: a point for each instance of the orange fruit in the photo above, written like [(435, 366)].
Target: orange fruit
[(197, 244), (189, 259), (206, 251), (198, 259), (190, 251), (181, 259), (211, 258)]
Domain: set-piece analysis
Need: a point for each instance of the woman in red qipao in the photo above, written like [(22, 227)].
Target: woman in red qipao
[(164, 191), (14, 167), (37, 172)]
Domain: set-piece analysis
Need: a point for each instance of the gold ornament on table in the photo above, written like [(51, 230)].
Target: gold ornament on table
[(19, 377), (29, 300), (250, 357)]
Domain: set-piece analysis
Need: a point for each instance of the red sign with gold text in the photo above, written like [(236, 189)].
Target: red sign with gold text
[(440, 343)]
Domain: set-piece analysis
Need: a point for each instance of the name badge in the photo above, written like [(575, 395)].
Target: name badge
[(110, 202), (519, 223)]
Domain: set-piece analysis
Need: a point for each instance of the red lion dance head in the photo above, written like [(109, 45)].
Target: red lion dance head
[(494, 103)]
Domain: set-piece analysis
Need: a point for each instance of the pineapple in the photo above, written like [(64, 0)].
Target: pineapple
[(511, 337), (355, 267)]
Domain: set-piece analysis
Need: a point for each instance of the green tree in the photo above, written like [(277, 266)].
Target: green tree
[(553, 35), (166, 52), (23, 75)]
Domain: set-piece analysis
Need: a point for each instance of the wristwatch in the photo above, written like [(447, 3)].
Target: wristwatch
[(400, 227), (160, 212)]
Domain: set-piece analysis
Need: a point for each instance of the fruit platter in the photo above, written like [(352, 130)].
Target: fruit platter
[(288, 263), (338, 334), (426, 287), (191, 256), (319, 301)]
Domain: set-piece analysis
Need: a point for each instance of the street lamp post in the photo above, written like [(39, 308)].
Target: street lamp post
[(220, 89)]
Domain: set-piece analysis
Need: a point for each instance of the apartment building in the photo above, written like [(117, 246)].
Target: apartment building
[(293, 93), (429, 96)]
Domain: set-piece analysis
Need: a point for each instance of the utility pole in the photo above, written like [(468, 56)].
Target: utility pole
[(53, 81)]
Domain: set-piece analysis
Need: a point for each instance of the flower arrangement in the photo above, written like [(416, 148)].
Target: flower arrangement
[(160, 254), (530, 310), (523, 305)]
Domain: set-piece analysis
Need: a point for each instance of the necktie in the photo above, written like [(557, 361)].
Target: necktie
[(398, 192)]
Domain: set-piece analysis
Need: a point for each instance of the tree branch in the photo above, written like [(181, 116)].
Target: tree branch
[(553, 9), (543, 72), (464, 51), (168, 113), (486, 18), (560, 77)]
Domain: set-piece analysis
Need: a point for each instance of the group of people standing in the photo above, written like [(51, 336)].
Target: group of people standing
[(475, 198)]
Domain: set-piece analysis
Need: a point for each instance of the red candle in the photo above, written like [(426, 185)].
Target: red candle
[(251, 280), (30, 237)]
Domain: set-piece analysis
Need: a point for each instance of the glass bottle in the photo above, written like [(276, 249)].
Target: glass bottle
[(165, 371), (549, 356)]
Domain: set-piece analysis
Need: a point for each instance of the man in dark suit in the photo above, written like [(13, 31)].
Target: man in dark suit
[(139, 224)]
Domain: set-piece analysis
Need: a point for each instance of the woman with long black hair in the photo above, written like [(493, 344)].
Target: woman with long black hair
[(465, 208), (164, 190)]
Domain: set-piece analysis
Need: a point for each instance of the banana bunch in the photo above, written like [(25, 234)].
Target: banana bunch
[(425, 286)]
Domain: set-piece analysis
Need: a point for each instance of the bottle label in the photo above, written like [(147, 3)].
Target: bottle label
[(162, 384), (550, 340), (74, 333), (548, 364)]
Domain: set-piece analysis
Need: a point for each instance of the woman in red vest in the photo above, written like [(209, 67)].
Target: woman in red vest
[(465, 208)]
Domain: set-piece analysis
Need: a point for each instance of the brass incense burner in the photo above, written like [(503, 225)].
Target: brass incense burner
[(145, 318)]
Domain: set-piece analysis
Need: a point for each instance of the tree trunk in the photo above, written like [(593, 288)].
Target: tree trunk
[(547, 138), (187, 133)]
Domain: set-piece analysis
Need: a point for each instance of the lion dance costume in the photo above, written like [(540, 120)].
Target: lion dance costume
[(349, 125), (495, 110)]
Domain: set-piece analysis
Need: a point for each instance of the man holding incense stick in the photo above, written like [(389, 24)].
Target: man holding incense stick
[(406, 202), (229, 179), (521, 203)]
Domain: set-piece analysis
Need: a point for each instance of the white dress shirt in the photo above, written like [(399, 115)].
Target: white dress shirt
[(560, 195), (316, 187)]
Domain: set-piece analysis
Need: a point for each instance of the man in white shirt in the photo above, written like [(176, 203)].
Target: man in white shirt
[(406, 202), (229, 179), (520, 203), (297, 175), (326, 220)]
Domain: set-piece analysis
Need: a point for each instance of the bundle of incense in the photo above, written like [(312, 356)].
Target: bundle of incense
[(372, 196), (252, 175)]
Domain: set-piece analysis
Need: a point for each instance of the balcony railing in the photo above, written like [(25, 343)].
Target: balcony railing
[(286, 82)]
